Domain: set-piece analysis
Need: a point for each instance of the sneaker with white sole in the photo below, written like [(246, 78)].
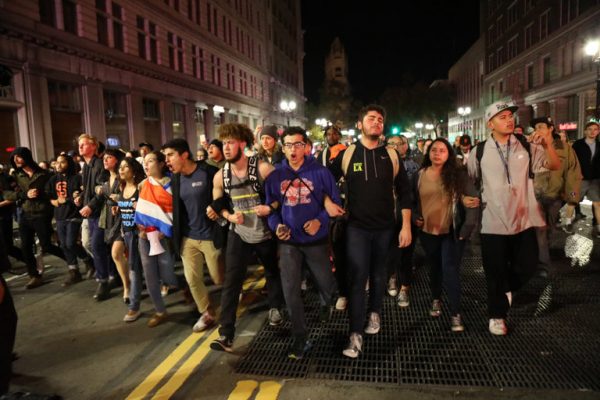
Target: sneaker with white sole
[(403, 300), (222, 343), (132, 315), (354, 347), (374, 324), (392, 287), (341, 303), (456, 323), (204, 322), (275, 317), (436, 308), (498, 327)]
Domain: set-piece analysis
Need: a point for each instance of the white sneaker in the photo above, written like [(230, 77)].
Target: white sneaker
[(203, 323), (392, 287), (341, 303), (403, 300), (275, 317), (374, 324), (354, 347), (498, 327)]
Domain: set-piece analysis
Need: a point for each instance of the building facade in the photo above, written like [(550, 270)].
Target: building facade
[(130, 71), (466, 77), (534, 55)]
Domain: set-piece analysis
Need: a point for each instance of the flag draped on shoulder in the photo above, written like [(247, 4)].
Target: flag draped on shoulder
[(155, 206)]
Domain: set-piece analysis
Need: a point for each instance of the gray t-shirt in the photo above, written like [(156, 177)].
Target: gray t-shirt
[(508, 208), (592, 147), (194, 193), (245, 198)]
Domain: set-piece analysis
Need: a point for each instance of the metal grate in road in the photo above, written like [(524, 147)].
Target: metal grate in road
[(553, 340)]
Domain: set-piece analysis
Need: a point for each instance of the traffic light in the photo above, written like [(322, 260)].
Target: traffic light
[(395, 130)]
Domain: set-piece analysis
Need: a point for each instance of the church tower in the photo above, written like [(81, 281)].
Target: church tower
[(336, 69)]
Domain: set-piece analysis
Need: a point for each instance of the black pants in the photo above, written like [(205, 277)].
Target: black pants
[(509, 262), (8, 330), (28, 228), (6, 227), (400, 260), (236, 263)]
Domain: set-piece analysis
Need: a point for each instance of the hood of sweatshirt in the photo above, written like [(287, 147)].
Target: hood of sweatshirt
[(26, 155)]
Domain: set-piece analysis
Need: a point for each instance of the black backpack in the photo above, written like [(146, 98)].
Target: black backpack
[(479, 148)]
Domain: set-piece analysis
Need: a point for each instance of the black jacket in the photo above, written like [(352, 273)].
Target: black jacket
[(93, 173), (590, 167), (370, 187), (180, 218)]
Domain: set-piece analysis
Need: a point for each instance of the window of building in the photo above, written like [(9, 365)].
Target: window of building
[(529, 35), (109, 22), (47, 12), (544, 24), (513, 47), (492, 94), (175, 50), (215, 69), (147, 39), (215, 22), (569, 9), (512, 14), (491, 35), (500, 56), (198, 62), (230, 76), (547, 67), (115, 118), (491, 65), (338, 72), (499, 26), (65, 113), (208, 17), (69, 8), (529, 73), (529, 5), (178, 120), (151, 109), (64, 96), (500, 87), (152, 120)]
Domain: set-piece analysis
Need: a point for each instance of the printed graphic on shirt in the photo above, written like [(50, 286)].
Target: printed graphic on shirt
[(357, 167), (127, 213), (246, 202), (296, 192), (61, 188)]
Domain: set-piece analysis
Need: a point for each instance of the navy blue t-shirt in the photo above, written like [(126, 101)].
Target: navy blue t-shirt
[(194, 194)]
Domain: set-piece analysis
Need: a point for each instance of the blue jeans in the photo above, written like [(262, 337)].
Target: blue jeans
[(444, 254), (366, 252), (135, 269), (291, 258), (157, 269), (99, 249), (68, 232)]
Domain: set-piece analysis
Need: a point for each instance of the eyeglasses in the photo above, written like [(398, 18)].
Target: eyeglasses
[(297, 145)]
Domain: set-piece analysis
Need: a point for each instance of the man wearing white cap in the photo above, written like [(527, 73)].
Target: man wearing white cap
[(504, 166)]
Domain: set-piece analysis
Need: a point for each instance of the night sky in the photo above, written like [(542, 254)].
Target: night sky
[(384, 46)]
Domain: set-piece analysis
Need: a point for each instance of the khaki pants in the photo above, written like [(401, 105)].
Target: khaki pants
[(193, 254)]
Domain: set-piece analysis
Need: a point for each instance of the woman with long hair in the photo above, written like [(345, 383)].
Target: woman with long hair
[(131, 173), (440, 186), (109, 222), (154, 215)]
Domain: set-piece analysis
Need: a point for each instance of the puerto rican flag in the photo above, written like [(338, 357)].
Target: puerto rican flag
[(155, 207)]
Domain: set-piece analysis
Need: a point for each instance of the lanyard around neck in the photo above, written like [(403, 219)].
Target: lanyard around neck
[(504, 159)]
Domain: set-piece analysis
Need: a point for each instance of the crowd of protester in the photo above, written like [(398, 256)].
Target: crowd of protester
[(347, 218)]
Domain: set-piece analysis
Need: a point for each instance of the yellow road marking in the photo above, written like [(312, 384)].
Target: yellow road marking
[(163, 368), (243, 390), (269, 390), (183, 373)]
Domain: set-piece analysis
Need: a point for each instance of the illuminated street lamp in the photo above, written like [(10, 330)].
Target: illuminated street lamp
[(287, 107), (322, 122), (592, 49), (463, 112), (419, 126)]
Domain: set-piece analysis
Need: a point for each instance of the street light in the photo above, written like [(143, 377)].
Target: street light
[(322, 122), (419, 126), (287, 107), (592, 49), (464, 111)]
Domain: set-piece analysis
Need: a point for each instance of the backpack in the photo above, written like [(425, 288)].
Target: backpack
[(350, 151), (252, 177), (480, 147)]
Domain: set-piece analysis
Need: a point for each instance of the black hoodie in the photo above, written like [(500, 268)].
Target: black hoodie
[(64, 185), (40, 206)]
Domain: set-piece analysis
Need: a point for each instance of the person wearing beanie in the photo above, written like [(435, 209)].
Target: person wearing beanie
[(270, 150), (215, 154)]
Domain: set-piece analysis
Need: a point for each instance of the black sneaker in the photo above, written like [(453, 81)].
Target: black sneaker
[(299, 348), (222, 343), (102, 292), (324, 313)]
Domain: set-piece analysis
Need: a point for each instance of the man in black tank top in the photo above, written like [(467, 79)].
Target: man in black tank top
[(237, 190)]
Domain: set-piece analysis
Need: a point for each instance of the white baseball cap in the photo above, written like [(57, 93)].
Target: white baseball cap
[(499, 106)]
